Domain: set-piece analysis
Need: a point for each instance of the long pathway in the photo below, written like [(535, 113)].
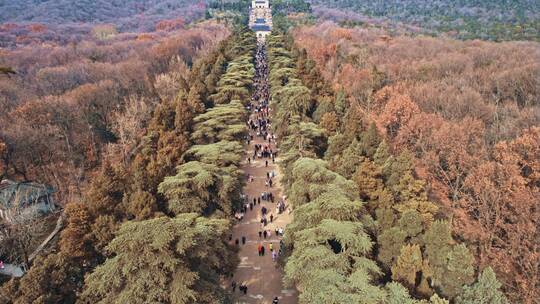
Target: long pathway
[(261, 274)]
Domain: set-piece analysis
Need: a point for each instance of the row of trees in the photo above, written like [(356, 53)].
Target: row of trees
[(69, 107), (464, 110), (59, 129), (140, 235), (364, 229)]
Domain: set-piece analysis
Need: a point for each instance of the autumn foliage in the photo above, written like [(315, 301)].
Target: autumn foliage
[(466, 112)]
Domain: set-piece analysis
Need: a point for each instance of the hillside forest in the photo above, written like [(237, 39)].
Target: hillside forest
[(496, 20), (463, 116), (410, 158)]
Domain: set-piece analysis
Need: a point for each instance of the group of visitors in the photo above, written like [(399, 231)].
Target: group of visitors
[(242, 288), (259, 125)]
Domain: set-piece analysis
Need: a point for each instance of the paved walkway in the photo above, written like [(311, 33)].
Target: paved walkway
[(262, 276)]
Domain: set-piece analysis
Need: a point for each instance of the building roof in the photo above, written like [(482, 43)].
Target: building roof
[(19, 194), (261, 28)]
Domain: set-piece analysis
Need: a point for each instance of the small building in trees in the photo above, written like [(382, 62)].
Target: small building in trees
[(24, 198)]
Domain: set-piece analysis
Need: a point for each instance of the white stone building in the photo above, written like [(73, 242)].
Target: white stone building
[(260, 19)]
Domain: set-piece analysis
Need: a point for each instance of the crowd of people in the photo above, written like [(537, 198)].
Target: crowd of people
[(259, 126)]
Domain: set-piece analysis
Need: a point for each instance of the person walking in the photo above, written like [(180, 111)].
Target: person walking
[(243, 240), (262, 250), (233, 285), (271, 218), (275, 301), (259, 249), (260, 234), (265, 234), (274, 256), (271, 247)]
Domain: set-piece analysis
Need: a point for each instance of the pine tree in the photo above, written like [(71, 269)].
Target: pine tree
[(407, 265), (349, 161), (201, 188), (435, 299), (397, 294), (336, 145), (321, 262), (140, 204), (451, 264), (330, 122), (371, 139), (368, 178), (390, 242), (382, 155), (171, 260), (413, 196), (75, 238), (107, 191), (459, 271), (341, 104), (486, 290), (411, 223), (398, 168)]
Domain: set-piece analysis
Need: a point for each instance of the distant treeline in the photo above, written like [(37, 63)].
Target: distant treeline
[(464, 19)]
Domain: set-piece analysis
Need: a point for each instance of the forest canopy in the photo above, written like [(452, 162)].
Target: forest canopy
[(497, 20)]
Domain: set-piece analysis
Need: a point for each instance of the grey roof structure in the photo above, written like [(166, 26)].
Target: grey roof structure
[(261, 28), (21, 194)]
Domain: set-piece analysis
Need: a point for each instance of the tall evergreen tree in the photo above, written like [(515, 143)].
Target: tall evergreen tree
[(163, 260), (486, 290)]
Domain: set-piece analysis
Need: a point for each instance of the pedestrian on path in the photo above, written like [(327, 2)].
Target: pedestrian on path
[(274, 256), (233, 284), (265, 234), (275, 301), (271, 247), (259, 249), (266, 163), (260, 234), (243, 288), (243, 240), (262, 250), (271, 218)]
